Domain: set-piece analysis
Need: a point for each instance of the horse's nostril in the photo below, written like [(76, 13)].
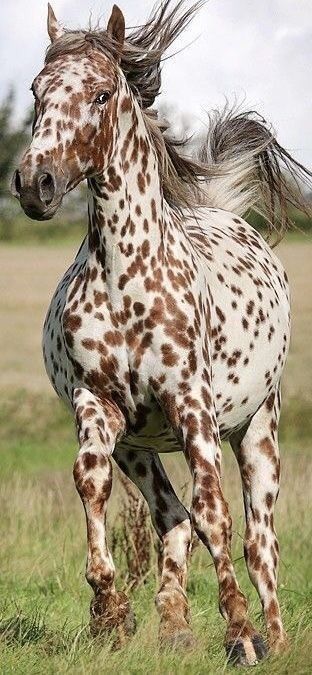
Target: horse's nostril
[(16, 184), (46, 187)]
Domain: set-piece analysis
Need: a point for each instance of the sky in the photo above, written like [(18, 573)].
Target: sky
[(255, 51)]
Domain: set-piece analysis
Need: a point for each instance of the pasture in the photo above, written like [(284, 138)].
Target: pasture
[(44, 597)]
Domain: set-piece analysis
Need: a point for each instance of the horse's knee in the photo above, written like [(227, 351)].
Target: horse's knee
[(100, 573), (92, 473)]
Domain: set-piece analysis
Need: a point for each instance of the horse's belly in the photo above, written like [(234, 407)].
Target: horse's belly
[(154, 435)]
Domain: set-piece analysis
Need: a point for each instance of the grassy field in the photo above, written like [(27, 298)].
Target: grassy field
[(44, 597)]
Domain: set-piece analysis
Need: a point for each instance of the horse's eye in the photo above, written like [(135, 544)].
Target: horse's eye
[(102, 98)]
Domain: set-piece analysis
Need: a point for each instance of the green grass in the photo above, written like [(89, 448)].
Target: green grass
[(44, 597), (59, 231)]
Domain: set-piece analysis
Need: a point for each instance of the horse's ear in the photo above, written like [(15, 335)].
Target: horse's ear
[(54, 29), (116, 26)]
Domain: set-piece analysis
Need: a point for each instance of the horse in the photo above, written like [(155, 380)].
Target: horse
[(170, 330)]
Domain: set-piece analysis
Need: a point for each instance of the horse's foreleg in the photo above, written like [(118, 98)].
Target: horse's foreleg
[(99, 425), (172, 524), (257, 453), (195, 423)]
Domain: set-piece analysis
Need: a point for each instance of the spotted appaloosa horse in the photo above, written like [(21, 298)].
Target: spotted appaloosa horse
[(170, 329)]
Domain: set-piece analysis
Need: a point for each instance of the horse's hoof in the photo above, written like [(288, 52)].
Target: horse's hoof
[(246, 652), (180, 640), (278, 645), (112, 613), (259, 647)]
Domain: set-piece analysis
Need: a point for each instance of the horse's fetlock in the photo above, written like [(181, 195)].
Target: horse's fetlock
[(100, 577), (171, 602)]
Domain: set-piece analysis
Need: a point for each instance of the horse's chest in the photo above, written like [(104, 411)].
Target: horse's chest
[(88, 342), (87, 348)]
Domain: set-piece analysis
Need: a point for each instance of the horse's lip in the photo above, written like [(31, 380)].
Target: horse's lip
[(34, 215), (39, 214)]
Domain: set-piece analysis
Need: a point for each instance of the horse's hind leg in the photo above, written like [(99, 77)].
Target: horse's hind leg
[(99, 425), (257, 454), (172, 524)]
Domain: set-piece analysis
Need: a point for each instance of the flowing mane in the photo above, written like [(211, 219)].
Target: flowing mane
[(239, 166)]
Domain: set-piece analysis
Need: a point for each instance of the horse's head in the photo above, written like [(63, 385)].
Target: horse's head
[(75, 125), (89, 98)]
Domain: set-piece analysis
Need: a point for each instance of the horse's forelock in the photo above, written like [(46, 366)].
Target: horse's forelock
[(72, 42)]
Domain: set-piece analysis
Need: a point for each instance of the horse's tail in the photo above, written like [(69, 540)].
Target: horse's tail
[(252, 170)]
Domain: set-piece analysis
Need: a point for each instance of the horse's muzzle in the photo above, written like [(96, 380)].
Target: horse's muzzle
[(40, 197)]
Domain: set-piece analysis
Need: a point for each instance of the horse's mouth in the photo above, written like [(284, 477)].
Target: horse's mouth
[(35, 213)]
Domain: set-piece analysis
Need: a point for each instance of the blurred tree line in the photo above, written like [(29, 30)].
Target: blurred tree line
[(12, 139), (70, 221)]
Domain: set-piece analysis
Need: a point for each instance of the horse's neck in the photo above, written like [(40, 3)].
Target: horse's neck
[(126, 209)]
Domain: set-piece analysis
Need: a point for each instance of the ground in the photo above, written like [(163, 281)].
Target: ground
[(44, 598)]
